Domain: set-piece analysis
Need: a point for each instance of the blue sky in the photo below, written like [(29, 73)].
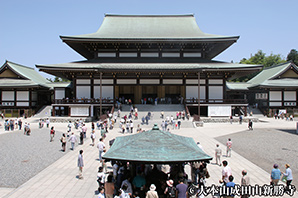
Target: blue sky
[(30, 29)]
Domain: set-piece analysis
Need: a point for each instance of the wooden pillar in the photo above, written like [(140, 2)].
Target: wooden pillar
[(138, 94), (100, 99), (92, 88), (199, 96), (30, 98), (15, 97), (74, 88)]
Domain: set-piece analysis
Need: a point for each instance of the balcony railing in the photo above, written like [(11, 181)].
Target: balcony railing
[(216, 101), (83, 101)]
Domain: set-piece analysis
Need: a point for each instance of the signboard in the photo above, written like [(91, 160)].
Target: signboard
[(219, 110)]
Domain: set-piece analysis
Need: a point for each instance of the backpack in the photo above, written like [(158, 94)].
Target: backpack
[(172, 191)]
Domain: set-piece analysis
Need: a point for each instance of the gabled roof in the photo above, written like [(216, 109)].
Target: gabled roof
[(156, 146), (27, 73), (272, 72), (279, 83), (149, 27)]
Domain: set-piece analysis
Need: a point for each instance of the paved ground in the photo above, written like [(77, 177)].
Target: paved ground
[(266, 147), (22, 156), (60, 178)]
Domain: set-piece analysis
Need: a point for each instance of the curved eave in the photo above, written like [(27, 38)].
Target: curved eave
[(92, 39)]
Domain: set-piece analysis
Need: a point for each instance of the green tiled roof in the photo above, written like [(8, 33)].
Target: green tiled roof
[(285, 82), (270, 73), (149, 27), (149, 66), (156, 146), (27, 72), (11, 83), (238, 85)]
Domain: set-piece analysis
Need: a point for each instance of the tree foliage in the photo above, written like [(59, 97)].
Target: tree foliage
[(293, 56), (260, 58)]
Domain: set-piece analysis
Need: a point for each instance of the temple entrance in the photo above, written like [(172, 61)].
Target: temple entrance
[(126, 93), (149, 93), (173, 94)]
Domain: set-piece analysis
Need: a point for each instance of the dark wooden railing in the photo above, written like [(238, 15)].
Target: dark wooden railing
[(216, 101), (83, 101)]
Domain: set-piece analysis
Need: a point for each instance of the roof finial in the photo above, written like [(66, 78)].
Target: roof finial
[(155, 127)]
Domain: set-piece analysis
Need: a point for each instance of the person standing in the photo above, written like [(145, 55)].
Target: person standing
[(80, 164), (181, 190), (84, 130), (109, 187), (93, 137), (152, 193), (101, 146), (72, 140), (48, 122), (218, 153), (230, 185), (20, 123), (131, 126), (226, 172), (245, 181), (289, 175), (229, 147), (52, 134), (275, 174), (63, 142)]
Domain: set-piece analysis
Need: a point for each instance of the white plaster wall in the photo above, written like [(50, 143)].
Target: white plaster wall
[(172, 81), (22, 95), (83, 92), (290, 95), (79, 111), (215, 92), (104, 81), (59, 94), (149, 81), (215, 81), (23, 104), (107, 92), (275, 104), (126, 81), (83, 81), (8, 95), (274, 95), (192, 92), (194, 81)]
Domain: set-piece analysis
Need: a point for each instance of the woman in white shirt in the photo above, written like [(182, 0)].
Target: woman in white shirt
[(289, 175)]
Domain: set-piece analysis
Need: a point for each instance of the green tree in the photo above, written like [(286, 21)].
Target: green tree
[(293, 56), (260, 58)]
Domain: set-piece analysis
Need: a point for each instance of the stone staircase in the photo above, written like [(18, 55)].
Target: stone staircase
[(156, 110)]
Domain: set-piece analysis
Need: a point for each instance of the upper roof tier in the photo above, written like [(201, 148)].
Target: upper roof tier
[(117, 27), (139, 29)]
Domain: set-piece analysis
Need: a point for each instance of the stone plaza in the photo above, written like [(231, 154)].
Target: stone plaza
[(32, 166)]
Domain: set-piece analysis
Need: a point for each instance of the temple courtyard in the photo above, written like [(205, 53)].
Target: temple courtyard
[(32, 166)]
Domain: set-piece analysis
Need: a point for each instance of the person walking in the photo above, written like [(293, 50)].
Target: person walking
[(245, 181), (181, 189), (289, 175), (218, 154), (275, 175), (63, 142), (229, 147), (101, 147), (250, 125), (73, 139), (80, 164), (52, 134)]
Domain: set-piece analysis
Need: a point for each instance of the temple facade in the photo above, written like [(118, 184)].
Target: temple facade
[(146, 59)]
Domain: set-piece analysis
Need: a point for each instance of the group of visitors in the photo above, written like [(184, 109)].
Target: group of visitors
[(13, 124), (43, 121), (285, 116), (143, 180), (286, 176)]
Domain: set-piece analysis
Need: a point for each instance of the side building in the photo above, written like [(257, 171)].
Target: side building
[(23, 91), (144, 58), (274, 90)]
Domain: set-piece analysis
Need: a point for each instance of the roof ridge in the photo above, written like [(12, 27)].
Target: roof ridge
[(280, 64), (19, 65), (149, 15)]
